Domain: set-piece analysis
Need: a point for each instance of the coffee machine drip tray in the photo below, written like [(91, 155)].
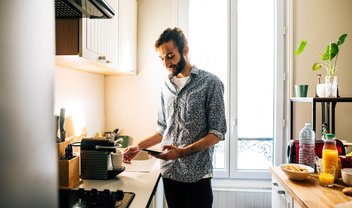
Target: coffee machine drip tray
[(94, 198)]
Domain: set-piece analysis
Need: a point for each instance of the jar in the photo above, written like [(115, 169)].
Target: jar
[(330, 154)]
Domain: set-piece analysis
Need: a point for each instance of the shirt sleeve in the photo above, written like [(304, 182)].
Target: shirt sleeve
[(216, 109), (161, 117)]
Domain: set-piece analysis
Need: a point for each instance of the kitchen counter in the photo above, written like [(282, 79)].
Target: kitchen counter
[(141, 178), (309, 193)]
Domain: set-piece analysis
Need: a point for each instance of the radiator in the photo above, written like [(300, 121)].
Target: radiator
[(242, 199)]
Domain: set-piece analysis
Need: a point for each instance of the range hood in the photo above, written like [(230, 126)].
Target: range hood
[(94, 9)]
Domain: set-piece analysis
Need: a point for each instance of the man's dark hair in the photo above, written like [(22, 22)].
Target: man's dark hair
[(175, 35)]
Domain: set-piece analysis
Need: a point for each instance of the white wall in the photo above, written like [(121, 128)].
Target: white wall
[(82, 95), (132, 102), (319, 22)]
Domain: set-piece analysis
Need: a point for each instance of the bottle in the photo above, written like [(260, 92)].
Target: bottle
[(330, 153), (306, 146)]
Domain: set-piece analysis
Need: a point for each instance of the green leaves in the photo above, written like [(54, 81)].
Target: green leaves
[(316, 66), (329, 57), (341, 39), (331, 51), (301, 47)]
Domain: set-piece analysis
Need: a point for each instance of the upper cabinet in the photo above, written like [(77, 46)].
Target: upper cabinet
[(104, 46)]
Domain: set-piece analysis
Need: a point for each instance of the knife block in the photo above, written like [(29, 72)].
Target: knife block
[(69, 172), (61, 148)]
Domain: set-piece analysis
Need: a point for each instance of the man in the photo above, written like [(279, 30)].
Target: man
[(191, 121)]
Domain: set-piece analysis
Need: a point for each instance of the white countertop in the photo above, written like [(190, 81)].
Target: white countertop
[(140, 178)]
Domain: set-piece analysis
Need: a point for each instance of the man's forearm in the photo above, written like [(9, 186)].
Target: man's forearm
[(150, 141), (204, 143)]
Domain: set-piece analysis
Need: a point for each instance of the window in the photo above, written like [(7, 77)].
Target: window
[(243, 45)]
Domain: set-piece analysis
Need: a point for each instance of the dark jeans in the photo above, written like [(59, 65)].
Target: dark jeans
[(188, 195)]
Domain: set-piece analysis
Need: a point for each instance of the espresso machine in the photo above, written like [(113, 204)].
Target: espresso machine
[(96, 158)]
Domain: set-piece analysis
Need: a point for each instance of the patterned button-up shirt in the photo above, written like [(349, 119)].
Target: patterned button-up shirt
[(185, 117)]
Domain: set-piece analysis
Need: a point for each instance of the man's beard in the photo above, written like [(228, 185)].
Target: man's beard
[(179, 66)]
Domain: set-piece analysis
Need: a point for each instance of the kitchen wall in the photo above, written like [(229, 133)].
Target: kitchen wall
[(129, 103), (132, 102), (321, 22), (82, 95)]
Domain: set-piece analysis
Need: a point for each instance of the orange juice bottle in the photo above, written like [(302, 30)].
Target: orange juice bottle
[(330, 154)]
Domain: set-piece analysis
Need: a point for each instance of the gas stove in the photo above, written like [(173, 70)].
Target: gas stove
[(94, 198)]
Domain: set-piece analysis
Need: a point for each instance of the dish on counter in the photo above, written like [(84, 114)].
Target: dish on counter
[(346, 174), (296, 172)]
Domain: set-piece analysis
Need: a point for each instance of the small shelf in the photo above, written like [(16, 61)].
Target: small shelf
[(321, 99), (327, 105)]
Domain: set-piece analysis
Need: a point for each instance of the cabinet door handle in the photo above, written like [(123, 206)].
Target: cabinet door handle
[(276, 188), (283, 193), (101, 58)]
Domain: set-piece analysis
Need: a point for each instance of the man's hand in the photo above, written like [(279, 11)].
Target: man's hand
[(129, 153), (173, 152), (170, 153)]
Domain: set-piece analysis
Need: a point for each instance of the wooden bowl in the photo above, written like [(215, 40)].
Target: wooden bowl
[(296, 172)]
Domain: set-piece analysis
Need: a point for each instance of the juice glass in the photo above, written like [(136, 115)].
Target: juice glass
[(326, 176)]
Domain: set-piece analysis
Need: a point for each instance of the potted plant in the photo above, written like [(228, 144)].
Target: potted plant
[(328, 62)]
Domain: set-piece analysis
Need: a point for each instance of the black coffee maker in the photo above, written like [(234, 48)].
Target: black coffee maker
[(96, 158)]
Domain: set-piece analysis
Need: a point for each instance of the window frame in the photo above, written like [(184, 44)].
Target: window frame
[(280, 105)]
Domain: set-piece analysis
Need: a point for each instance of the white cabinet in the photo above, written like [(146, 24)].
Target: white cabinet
[(280, 198), (107, 46)]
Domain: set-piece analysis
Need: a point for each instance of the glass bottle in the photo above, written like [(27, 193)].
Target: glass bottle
[(306, 146), (330, 153)]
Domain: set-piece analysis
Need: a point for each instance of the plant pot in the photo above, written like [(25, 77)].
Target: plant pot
[(331, 86), (320, 90), (301, 90)]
